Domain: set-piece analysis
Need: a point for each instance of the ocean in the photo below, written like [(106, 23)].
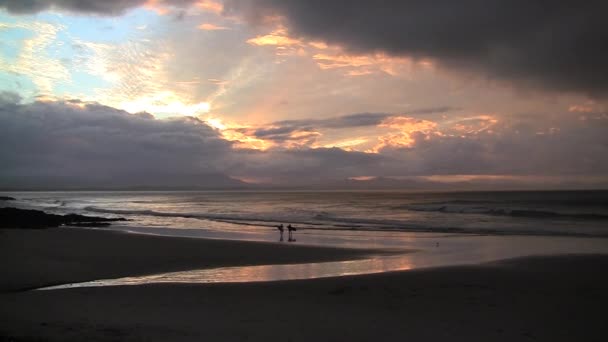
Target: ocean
[(422, 229), (560, 213)]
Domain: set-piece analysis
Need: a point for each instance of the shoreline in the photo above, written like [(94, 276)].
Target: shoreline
[(72, 257), (536, 298), (55, 256)]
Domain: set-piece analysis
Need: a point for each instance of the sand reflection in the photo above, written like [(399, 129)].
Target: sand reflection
[(259, 273), (442, 250)]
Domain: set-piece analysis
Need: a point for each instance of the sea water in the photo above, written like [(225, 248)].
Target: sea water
[(429, 229), (564, 213)]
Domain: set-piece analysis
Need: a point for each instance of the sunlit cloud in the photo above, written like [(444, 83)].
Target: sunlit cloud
[(212, 27), (318, 45), (348, 145), (210, 6), (278, 37), (333, 57), (405, 129), (35, 56), (581, 109), (408, 124), (157, 6), (237, 134), (475, 124), (165, 104), (358, 65), (140, 80)]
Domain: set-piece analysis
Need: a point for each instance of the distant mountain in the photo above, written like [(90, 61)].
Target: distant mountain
[(218, 181), (209, 181), (424, 184)]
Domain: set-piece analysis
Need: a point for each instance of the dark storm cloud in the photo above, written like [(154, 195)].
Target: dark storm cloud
[(100, 7), (62, 144), (83, 6), (558, 45)]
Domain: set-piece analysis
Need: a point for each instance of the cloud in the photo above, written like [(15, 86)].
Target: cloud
[(278, 37), (310, 132), (81, 144), (305, 166), (54, 144), (105, 7), (557, 45), (341, 122), (576, 147), (80, 6), (34, 58), (212, 27)]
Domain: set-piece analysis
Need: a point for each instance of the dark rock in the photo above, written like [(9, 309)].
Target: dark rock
[(7, 198), (22, 218)]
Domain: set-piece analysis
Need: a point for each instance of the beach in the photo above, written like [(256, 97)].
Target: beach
[(37, 258), (543, 298)]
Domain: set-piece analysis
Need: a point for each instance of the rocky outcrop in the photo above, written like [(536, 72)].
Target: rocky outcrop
[(36, 219)]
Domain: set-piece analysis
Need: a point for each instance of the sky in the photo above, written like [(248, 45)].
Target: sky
[(180, 93)]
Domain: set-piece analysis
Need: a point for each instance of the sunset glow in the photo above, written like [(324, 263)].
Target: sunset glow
[(267, 81)]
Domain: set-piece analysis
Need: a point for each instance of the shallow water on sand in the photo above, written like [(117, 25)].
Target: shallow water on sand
[(430, 250)]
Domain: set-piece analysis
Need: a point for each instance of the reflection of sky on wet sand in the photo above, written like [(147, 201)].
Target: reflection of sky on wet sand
[(442, 250), (259, 273)]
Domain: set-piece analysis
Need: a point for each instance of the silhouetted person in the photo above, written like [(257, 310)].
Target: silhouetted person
[(291, 229), (280, 228)]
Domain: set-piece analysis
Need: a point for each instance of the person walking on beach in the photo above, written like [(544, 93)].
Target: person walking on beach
[(291, 229), (280, 228)]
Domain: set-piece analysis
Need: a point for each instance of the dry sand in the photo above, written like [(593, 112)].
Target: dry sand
[(560, 298)]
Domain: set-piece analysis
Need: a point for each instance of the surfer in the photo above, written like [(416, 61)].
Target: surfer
[(291, 229), (281, 229)]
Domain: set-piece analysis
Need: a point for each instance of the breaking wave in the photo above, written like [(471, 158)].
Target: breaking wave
[(494, 211)]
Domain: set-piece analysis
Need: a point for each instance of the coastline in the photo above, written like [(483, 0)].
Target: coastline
[(539, 298), (54, 256)]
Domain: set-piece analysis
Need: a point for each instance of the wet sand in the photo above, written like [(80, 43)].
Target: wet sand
[(36, 258), (559, 298)]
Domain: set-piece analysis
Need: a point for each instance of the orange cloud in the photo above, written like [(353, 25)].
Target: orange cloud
[(212, 27), (274, 39), (347, 145), (408, 124), (161, 7), (156, 6), (326, 61), (475, 124), (580, 109), (238, 134), (318, 45), (407, 127), (210, 6), (334, 58), (282, 43)]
